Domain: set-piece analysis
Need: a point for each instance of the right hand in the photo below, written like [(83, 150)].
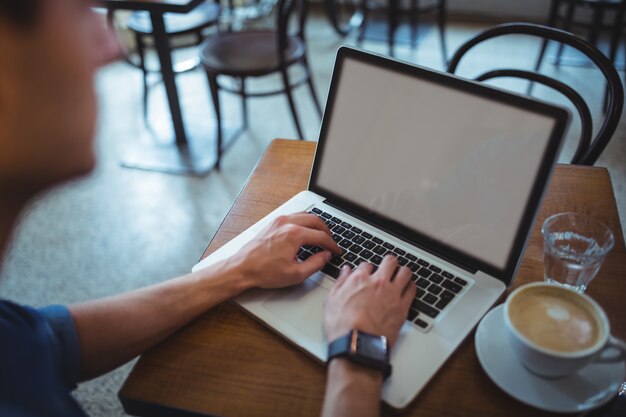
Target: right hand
[(375, 303)]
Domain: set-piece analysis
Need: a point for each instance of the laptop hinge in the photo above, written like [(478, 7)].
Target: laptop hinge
[(403, 236)]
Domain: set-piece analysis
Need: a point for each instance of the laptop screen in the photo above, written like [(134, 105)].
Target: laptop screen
[(446, 163)]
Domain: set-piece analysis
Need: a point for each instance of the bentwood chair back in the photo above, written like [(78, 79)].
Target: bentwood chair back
[(589, 148), (257, 53)]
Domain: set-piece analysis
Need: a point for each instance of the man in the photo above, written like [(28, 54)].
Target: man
[(50, 51)]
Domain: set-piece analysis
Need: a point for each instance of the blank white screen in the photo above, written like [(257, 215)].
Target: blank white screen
[(454, 166)]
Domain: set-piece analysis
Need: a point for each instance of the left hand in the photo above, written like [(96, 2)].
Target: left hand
[(269, 260)]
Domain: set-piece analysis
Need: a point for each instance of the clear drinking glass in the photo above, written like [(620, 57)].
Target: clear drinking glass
[(574, 248)]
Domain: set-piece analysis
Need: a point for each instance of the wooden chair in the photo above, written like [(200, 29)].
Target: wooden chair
[(257, 53), (394, 12), (589, 149), (192, 25)]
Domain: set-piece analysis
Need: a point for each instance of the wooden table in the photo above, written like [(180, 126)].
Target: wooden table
[(227, 364), (187, 152)]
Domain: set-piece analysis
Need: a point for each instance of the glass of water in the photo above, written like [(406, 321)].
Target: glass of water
[(574, 248)]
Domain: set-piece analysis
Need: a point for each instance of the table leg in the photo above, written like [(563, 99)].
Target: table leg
[(162, 46), (190, 152)]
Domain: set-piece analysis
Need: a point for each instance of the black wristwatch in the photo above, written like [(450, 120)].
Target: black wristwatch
[(363, 349)]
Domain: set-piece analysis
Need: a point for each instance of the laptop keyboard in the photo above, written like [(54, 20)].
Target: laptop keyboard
[(436, 287)]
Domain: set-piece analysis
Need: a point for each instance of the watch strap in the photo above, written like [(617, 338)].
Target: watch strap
[(347, 346)]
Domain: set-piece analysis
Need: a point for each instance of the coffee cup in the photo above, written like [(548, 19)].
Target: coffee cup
[(555, 331)]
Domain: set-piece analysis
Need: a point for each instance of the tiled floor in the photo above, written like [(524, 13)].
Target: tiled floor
[(119, 229)]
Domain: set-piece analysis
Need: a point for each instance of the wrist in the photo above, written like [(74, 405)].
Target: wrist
[(342, 367)]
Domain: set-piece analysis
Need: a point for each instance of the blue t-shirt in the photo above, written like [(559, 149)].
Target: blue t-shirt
[(39, 362)]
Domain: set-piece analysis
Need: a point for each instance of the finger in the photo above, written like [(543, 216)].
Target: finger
[(343, 277), (308, 220), (387, 267), (316, 237), (366, 267), (408, 296), (402, 279), (313, 264)]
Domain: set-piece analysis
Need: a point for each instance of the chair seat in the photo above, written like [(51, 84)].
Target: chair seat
[(248, 53), (205, 15)]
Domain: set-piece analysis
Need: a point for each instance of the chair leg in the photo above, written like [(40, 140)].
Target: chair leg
[(309, 81), (214, 87), (442, 31), (244, 103), (292, 104), (141, 51), (616, 35), (413, 22), (554, 8), (596, 24), (392, 22), (366, 12), (567, 26)]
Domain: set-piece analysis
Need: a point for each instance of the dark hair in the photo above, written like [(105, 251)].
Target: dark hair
[(20, 12)]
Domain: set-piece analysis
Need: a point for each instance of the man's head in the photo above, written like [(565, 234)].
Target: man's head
[(50, 52)]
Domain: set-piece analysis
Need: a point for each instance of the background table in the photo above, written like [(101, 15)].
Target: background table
[(188, 152), (227, 364)]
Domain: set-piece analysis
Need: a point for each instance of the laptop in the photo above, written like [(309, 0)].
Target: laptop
[(445, 173)]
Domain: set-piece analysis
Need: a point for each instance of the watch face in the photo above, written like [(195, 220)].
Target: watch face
[(374, 347)]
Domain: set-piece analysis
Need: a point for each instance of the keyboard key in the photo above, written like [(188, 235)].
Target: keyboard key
[(413, 314), (449, 285), (423, 272), (358, 239), (356, 230), (435, 289), (419, 293), (326, 215), (316, 249), (377, 240), (430, 299), (421, 323), (348, 234), (388, 245), (447, 295), (436, 278), (356, 249), (460, 281), (350, 257), (402, 261), (366, 235), (399, 251), (411, 257), (330, 224), (337, 237), (423, 263), (304, 255), (413, 266), (366, 254), (316, 210), (376, 260), (443, 303), (359, 261), (435, 269), (423, 283), (337, 260), (425, 308), (380, 250), (345, 244), (338, 229), (369, 244), (337, 220), (346, 225), (447, 274), (331, 270)]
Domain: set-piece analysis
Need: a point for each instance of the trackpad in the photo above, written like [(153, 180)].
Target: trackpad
[(301, 307)]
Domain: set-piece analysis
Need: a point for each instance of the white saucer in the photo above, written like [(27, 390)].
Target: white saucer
[(590, 388)]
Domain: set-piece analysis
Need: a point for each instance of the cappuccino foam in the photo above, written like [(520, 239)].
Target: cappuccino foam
[(554, 321)]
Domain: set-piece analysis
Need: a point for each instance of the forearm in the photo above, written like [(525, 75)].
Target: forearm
[(351, 390), (113, 330)]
